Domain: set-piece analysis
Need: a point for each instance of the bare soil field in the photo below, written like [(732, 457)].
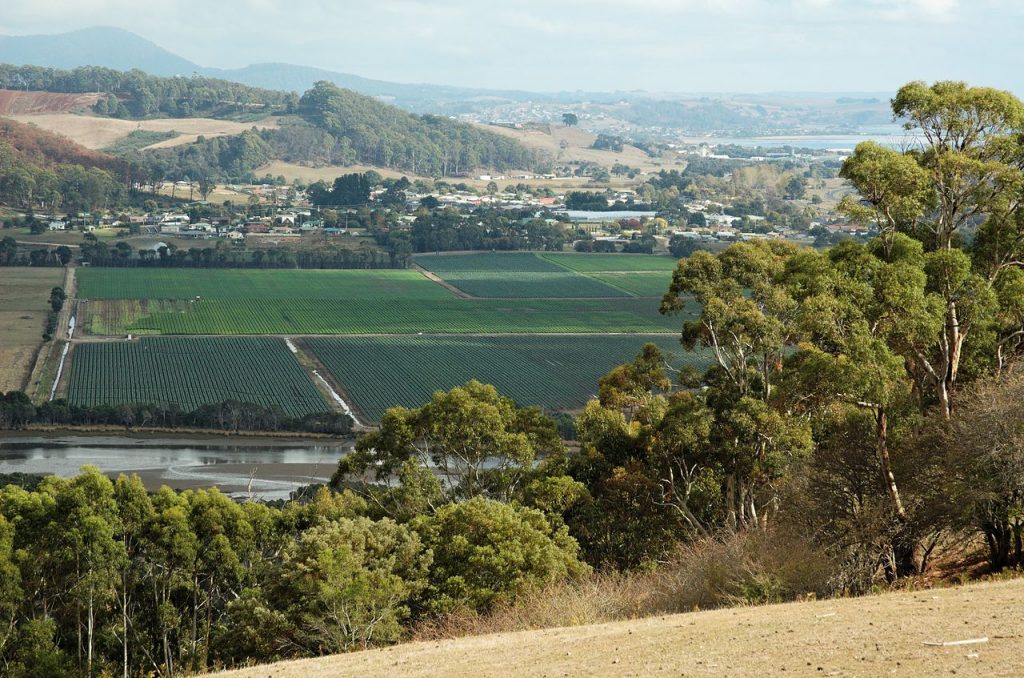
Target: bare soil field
[(14, 102), (884, 635), (96, 133), (24, 296)]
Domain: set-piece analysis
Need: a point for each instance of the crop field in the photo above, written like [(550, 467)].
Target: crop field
[(638, 283), (493, 262), (597, 263), (512, 275), (554, 372), (191, 372), (401, 315), (530, 285), (270, 284)]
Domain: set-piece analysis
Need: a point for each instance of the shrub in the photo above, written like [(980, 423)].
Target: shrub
[(486, 552)]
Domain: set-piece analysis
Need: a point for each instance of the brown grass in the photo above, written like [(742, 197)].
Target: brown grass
[(24, 295), (869, 636), (15, 102), (94, 132), (550, 140)]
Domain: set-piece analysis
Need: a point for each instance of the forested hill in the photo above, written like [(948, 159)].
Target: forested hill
[(371, 132), (43, 170), (135, 94), (335, 126), (48, 149)]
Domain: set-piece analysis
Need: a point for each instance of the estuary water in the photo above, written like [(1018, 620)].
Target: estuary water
[(260, 468)]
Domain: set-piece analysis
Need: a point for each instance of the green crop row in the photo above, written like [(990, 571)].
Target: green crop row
[(190, 372), (272, 284), (396, 316), (557, 373)]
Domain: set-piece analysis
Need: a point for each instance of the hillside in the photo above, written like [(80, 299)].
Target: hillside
[(15, 102), (99, 132), (571, 144), (870, 636), (48, 148), (43, 170), (326, 126)]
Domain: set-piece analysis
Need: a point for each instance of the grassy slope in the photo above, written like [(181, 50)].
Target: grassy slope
[(96, 132), (871, 636)]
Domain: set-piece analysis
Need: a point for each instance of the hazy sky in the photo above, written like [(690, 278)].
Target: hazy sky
[(667, 45)]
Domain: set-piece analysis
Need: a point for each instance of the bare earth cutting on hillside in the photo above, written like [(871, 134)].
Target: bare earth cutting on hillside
[(885, 635)]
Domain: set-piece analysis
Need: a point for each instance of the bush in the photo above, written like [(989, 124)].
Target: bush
[(346, 584), (486, 552)]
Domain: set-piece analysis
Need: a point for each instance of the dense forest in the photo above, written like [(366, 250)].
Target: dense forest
[(134, 94)]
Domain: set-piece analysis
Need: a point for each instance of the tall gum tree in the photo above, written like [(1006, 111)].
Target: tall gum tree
[(963, 175)]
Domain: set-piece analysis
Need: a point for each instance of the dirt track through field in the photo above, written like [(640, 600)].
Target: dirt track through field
[(871, 636)]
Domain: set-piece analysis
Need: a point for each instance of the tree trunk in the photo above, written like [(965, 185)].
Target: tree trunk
[(882, 448)]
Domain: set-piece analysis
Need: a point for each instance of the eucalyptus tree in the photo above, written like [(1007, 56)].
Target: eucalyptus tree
[(962, 178)]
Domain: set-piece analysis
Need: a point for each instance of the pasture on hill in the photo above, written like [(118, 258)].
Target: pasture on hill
[(97, 132), (555, 372), (190, 372), (890, 634)]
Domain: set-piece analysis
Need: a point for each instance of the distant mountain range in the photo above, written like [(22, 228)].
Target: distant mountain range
[(630, 112), (123, 50)]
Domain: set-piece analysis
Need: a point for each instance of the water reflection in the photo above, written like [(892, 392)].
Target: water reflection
[(261, 469)]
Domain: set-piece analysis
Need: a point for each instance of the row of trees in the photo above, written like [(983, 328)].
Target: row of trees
[(11, 254), (483, 229), (17, 411), (99, 253)]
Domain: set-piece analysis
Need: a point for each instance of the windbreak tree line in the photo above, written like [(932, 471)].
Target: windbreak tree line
[(17, 412)]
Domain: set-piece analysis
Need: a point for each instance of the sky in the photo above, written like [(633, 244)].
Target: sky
[(594, 45)]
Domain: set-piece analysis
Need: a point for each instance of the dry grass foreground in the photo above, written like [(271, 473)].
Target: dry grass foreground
[(24, 302), (97, 133), (871, 636)]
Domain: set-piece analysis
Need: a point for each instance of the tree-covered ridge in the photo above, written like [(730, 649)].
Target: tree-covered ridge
[(40, 170), (134, 94), (371, 132)]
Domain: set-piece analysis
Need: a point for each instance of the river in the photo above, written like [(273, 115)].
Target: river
[(261, 468)]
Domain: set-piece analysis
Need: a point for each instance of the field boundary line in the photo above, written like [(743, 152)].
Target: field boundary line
[(433, 277)]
